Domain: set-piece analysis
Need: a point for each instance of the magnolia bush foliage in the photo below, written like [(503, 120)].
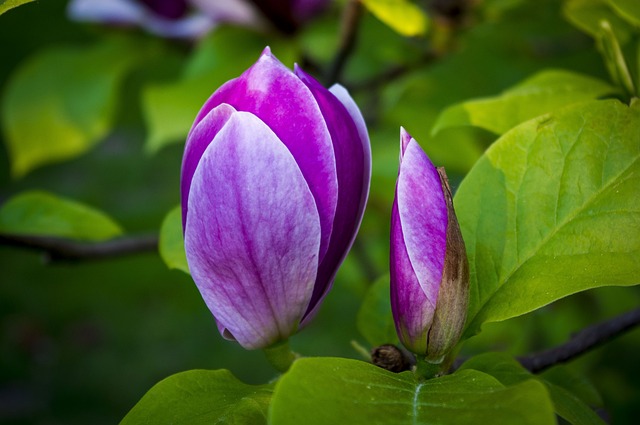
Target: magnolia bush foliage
[(291, 157)]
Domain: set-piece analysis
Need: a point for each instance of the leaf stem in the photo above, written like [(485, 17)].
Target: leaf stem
[(280, 356), (425, 369)]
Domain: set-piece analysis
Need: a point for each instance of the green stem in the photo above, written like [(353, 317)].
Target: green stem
[(280, 356)]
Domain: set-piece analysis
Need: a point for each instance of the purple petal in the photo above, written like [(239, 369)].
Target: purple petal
[(423, 216), (252, 233), (272, 92), (350, 166), (304, 10), (412, 310), (114, 11), (198, 140), (168, 9), (343, 96), (237, 11), (188, 27)]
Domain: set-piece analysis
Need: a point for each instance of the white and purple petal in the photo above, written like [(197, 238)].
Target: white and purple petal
[(423, 214), (412, 310), (352, 173), (274, 93), (200, 136), (252, 233), (418, 244)]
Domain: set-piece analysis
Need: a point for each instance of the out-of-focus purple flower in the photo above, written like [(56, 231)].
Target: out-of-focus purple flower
[(275, 177), (289, 15), (429, 268), (167, 18)]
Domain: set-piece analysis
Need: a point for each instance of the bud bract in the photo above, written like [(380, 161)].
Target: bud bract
[(428, 265), (275, 177)]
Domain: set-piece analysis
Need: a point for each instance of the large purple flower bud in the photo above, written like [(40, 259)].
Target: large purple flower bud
[(275, 177), (429, 268)]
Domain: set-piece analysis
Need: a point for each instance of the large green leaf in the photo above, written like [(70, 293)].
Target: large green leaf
[(552, 209), (10, 4), (344, 391), (540, 94), (403, 16), (202, 397), (61, 102), (43, 214), (375, 321), (509, 372), (170, 108), (171, 242)]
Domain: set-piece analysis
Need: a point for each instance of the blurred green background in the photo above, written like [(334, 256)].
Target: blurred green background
[(82, 342)]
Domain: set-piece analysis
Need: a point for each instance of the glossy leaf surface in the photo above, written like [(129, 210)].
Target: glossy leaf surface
[(333, 390), (549, 210)]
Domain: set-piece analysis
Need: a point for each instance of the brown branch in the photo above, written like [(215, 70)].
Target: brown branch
[(60, 249), (581, 342), (393, 73), (350, 20)]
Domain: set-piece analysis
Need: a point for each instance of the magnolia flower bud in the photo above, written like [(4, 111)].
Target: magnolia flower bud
[(429, 268), (275, 177)]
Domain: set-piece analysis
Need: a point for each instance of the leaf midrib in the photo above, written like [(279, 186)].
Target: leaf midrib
[(550, 236)]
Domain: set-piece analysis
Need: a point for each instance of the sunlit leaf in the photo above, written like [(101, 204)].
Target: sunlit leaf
[(43, 214), (549, 210), (375, 321), (403, 16), (542, 93), (61, 102), (202, 397), (171, 242), (10, 4), (170, 108), (509, 372), (628, 9), (332, 390), (587, 15)]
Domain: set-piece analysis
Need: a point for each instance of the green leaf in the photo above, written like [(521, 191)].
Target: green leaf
[(573, 382), (403, 16), (202, 397), (61, 102), (43, 214), (587, 15), (171, 242), (170, 108), (10, 4), (509, 372), (540, 94), (550, 209), (344, 391), (627, 9), (375, 321)]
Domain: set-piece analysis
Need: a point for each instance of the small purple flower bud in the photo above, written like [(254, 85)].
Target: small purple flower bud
[(275, 177), (429, 268)]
